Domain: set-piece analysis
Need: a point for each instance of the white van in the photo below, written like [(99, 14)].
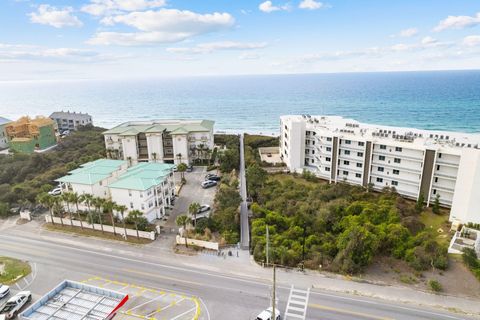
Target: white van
[(267, 314)]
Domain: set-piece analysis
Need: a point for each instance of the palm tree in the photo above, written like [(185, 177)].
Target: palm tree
[(182, 167), (183, 220), (134, 215), (201, 149), (46, 200), (98, 204), (75, 199), (66, 198), (193, 209), (122, 209), (109, 206), (88, 199), (57, 208)]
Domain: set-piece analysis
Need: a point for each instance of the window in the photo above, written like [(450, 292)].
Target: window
[(345, 173), (436, 179), (143, 207), (347, 152), (131, 205), (313, 151), (381, 158), (130, 193), (379, 180), (101, 183), (348, 142), (381, 169), (361, 143), (438, 167), (286, 127), (360, 154), (359, 165), (328, 159), (141, 194), (345, 162), (327, 168), (394, 183), (395, 171), (313, 160), (358, 175), (397, 160), (329, 149), (434, 191), (329, 139), (383, 147), (313, 142), (439, 155), (398, 149)]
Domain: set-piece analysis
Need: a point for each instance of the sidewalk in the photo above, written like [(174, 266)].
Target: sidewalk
[(244, 267)]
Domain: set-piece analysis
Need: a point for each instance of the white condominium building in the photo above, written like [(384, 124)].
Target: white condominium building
[(170, 141), (71, 120), (432, 163), (148, 187)]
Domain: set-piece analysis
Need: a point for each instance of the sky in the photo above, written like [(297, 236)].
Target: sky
[(128, 39)]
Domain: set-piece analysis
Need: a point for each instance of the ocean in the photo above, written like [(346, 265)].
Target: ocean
[(448, 100)]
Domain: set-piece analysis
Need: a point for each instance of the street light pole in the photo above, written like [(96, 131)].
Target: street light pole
[(303, 245)]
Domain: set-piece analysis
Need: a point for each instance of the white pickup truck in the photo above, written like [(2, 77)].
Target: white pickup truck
[(14, 305)]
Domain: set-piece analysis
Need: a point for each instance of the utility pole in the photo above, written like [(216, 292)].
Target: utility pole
[(267, 247), (273, 295)]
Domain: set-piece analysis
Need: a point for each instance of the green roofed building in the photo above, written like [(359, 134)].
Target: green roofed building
[(169, 141), (31, 135), (93, 177), (148, 187)]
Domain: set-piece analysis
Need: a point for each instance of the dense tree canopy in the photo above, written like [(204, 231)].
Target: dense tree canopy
[(346, 227)]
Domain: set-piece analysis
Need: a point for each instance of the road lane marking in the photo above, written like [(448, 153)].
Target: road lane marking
[(181, 315), (343, 311), (255, 280), (299, 298), (162, 277)]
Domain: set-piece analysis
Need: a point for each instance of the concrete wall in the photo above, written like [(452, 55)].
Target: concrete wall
[(118, 228), (180, 146), (198, 243), (466, 199)]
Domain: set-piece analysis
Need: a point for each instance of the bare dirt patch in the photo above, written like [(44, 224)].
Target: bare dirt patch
[(456, 281)]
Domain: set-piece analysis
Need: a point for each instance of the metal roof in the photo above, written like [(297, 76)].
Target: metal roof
[(173, 126), (93, 172), (72, 300), (143, 176)]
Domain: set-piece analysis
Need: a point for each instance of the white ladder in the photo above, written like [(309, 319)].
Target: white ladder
[(297, 304)]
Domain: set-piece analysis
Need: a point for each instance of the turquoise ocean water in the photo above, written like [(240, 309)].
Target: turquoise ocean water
[(447, 100)]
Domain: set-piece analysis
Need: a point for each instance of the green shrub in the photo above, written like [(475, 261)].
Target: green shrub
[(435, 286)]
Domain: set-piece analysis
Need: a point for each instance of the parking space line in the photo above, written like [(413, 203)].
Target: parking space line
[(181, 315), (141, 305)]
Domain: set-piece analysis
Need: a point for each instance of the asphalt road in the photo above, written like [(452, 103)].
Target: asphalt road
[(225, 295)]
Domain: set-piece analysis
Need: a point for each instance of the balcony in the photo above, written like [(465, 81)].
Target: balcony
[(445, 175), (397, 155)]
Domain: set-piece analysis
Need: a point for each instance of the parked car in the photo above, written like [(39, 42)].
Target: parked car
[(4, 291), (55, 192), (15, 304), (267, 314), (190, 168), (208, 184), (212, 177), (204, 208)]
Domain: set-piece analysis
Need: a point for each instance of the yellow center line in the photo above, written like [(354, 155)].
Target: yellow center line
[(358, 314), (162, 277)]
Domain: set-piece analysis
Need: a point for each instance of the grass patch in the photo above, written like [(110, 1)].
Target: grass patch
[(95, 233), (437, 221), (13, 270), (407, 279)]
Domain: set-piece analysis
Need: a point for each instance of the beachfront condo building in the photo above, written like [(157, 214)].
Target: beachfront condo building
[(71, 120), (3, 133), (28, 135), (415, 162), (148, 187), (168, 141)]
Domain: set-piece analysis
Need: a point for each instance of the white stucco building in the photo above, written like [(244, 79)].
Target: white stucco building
[(413, 161), (148, 187), (169, 141), (71, 120)]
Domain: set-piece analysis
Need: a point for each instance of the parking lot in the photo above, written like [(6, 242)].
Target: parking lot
[(190, 192), (153, 304)]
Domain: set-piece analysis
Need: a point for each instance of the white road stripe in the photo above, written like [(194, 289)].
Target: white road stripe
[(186, 312), (297, 297)]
